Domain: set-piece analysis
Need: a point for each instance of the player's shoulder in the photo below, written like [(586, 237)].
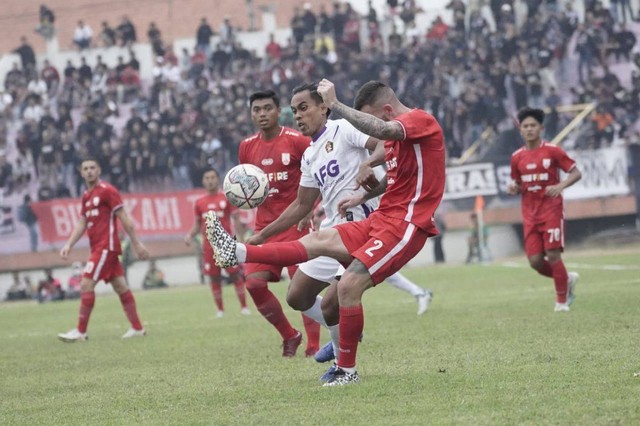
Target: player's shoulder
[(518, 152), (106, 187), (416, 114), (551, 147), (250, 139), (289, 132)]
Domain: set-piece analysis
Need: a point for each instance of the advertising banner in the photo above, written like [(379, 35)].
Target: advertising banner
[(152, 214)]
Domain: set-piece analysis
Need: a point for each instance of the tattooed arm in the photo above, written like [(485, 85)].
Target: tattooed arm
[(366, 123)]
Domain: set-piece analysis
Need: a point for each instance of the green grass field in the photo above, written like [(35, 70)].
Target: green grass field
[(489, 351)]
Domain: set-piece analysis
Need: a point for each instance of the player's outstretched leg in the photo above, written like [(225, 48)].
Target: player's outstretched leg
[(223, 244)]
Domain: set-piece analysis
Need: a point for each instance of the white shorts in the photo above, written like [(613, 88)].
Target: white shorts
[(321, 268)]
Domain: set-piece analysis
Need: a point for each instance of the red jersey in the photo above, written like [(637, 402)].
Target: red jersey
[(219, 204), (280, 159), (99, 206), (415, 171), (534, 170)]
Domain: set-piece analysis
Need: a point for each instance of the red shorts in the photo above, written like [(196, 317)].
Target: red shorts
[(542, 236), (103, 265), (383, 244), (291, 234)]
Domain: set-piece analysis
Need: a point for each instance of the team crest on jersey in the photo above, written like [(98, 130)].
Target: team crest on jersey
[(223, 204), (286, 158), (328, 146), (546, 162), (96, 201)]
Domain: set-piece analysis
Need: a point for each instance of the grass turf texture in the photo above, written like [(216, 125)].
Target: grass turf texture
[(489, 351)]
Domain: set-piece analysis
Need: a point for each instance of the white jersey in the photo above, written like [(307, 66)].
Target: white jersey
[(331, 165)]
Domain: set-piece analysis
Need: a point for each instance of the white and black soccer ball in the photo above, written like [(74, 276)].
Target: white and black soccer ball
[(246, 186)]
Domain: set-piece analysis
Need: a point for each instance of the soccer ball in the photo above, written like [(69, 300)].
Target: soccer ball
[(246, 186)]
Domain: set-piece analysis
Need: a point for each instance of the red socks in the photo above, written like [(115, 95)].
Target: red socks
[(269, 306), (312, 329), (87, 300), (351, 326), (561, 280), (279, 254), (129, 306), (216, 289)]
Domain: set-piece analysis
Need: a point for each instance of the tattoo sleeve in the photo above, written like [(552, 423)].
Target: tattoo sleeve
[(367, 123)]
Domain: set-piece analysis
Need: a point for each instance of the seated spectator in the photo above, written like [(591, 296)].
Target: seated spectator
[(603, 126), (478, 241), (73, 285), (107, 35), (6, 174), (19, 290), (126, 32), (50, 288), (51, 78), (154, 278), (82, 35), (47, 18)]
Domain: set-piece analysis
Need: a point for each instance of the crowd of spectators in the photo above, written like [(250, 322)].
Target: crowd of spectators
[(471, 74)]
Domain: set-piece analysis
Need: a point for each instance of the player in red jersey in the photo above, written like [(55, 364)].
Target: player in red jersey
[(380, 245), (278, 152), (535, 170), (216, 201), (101, 205)]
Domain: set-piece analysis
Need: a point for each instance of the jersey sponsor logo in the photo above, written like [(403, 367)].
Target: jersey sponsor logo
[(331, 169), (531, 166), (267, 161), (278, 176), (535, 177), (392, 164), (286, 158), (546, 163), (328, 146)]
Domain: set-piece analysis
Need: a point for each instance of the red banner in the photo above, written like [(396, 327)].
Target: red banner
[(169, 213)]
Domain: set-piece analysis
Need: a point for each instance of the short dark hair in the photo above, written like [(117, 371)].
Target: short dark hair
[(536, 114), (370, 93), (90, 158), (313, 91), (211, 169), (264, 94)]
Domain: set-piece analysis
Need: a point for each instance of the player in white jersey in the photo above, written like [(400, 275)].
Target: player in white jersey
[(329, 169)]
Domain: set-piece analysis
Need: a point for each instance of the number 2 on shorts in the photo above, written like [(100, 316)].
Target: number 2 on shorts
[(377, 244)]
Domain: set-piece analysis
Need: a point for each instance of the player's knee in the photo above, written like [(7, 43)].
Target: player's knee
[(255, 284), (296, 301), (536, 262)]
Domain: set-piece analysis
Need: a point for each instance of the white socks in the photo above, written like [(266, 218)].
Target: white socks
[(315, 313), (400, 282), (241, 253)]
